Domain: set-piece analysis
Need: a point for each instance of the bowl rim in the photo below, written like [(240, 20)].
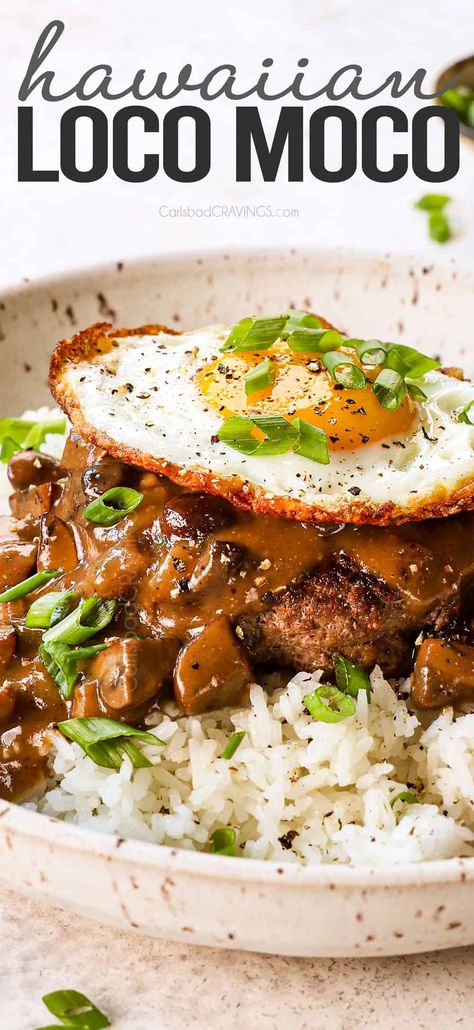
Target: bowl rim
[(21, 821), (414, 261)]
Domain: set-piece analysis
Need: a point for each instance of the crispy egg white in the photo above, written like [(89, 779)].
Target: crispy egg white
[(157, 399)]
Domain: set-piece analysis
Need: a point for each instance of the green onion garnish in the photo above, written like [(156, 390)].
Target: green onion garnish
[(467, 414), (339, 706), (27, 585), (432, 202), (73, 1009), (260, 377), (238, 433), (313, 442), (255, 334), (390, 389), (350, 678), (113, 505), (105, 741), (314, 341), (405, 795), (44, 610), (232, 744), (17, 434), (92, 615), (281, 436), (370, 352), (411, 363), (299, 320), (224, 842), (344, 370), (438, 225), (61, 661)]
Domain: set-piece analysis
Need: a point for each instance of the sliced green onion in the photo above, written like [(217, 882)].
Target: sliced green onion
[(27, 585), (370, 352), (458, 99), (300, 320), (18, 434), (313, 442), (314, 341), (255, 334), (61, 661), (260, 377), (113, 505), (432, 202), (339, 706), (344, 370), (104, 741), (439, 227), (232, 744), (390, 389), (467, 414), (281, 436), (350, 678), (410, 363), (92, 615), (405, 795), (224, 842), (415, 392), (238, 433), (43, 612), (73, 1009)]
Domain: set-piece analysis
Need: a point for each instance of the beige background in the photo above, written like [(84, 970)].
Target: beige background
[(141, 983), (154, 985)]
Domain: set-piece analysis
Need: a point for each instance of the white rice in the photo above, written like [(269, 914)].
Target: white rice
[(331, 784)]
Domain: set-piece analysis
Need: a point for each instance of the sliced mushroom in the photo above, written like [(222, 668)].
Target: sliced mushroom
[(219, 560), (102, 476), (213, 670), (56, 548), (134, 670), (7, 645), (17, 562), (31, 468), (194, 515), (35, 501), (443, 674)]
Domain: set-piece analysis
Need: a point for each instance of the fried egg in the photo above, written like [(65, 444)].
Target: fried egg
[(157, 399)]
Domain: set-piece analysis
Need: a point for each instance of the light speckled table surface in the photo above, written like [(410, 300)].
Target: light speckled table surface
[(145, 984), (154, 985)]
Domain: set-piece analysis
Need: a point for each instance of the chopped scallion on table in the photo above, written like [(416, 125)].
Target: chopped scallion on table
[(73, 1009)]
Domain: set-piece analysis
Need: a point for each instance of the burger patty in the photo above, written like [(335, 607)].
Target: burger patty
[(339, 608)]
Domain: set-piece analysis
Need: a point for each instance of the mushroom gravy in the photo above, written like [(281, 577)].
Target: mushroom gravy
[(183, 568)]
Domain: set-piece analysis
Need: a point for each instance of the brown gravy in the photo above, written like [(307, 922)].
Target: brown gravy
[(177, 564)]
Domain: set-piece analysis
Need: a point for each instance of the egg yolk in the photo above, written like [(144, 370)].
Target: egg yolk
[(303, 389)]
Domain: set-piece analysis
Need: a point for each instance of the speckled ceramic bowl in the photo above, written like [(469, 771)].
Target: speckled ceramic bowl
[(200, 898)]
